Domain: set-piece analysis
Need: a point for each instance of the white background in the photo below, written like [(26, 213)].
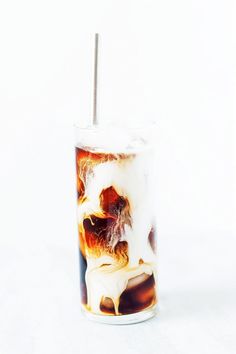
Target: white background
[(172, 61)]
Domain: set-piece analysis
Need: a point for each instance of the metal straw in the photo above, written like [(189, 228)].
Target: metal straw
[(95, 80)]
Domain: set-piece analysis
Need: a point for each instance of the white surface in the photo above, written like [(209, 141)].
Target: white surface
[(178, 67), (40, 307)]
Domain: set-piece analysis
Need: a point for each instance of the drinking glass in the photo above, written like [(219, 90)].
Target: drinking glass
[(116, 213)]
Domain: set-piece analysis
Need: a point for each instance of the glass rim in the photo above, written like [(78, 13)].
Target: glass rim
[(115, 125)]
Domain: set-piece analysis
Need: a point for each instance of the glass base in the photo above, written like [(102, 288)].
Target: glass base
[(122, 319)]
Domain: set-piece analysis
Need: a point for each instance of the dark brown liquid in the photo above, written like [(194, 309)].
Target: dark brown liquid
[(82, 267)]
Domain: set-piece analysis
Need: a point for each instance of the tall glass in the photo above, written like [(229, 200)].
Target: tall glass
[(116, 223)]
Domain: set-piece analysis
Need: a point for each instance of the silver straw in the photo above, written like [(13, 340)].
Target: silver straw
[(95, 80)]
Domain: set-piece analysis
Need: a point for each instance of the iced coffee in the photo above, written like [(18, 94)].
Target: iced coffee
[(116, 228)]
